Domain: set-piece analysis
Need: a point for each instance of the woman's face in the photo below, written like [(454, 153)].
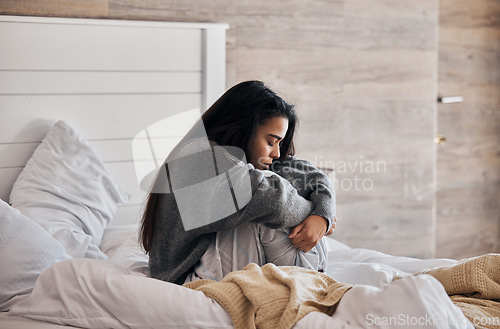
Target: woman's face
[(265, 146)]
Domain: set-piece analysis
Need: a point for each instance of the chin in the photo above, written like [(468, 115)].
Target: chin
[(262, 167)]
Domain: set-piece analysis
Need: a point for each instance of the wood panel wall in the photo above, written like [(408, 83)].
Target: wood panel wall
[(363, 76), (468, 167)]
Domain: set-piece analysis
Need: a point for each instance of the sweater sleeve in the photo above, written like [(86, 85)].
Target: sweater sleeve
[(274, 202), (202, 178), (310, 183)]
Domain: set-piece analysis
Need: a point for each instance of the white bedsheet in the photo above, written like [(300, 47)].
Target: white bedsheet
[(117, 293)]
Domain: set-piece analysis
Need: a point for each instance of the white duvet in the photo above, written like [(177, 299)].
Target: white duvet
[(117, 293)]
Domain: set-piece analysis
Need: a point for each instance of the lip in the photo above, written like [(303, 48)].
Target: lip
[(267, 165)]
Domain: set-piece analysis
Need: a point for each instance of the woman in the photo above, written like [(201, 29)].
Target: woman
[(282, 206)]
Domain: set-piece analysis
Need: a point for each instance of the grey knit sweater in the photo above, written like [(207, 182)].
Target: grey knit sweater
[(283, 200)]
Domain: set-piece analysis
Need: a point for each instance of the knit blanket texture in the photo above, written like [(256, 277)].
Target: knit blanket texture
[(272, 297)]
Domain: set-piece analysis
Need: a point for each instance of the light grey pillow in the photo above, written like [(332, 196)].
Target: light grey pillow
[(66, 189), (26, 250)]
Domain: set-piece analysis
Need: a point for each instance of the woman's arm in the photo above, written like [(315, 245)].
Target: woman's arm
[(274, 202), (215, 184), (313, 184), (310, 183)]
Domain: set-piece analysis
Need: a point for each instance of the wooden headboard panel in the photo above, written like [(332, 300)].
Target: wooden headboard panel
[(109, 79)]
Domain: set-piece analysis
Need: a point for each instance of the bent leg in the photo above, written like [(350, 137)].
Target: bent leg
[(278, 248), (232, 250), (280, 251)]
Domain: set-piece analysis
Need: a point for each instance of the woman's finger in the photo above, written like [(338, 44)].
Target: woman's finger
[(294, 231)]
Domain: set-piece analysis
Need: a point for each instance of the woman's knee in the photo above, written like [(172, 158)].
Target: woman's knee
[(278, 248)]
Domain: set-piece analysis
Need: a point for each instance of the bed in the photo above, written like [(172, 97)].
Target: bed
[(88, 107)]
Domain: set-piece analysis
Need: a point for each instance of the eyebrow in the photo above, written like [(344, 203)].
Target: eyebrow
[(275, 136)]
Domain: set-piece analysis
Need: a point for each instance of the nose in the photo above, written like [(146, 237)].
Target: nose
[(275, 153)]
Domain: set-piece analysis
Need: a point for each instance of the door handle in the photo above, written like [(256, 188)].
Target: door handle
[(440, 139), (450, 99)]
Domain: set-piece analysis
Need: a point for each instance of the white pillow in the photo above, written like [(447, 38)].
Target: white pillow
[(66, 189), (26, 249)]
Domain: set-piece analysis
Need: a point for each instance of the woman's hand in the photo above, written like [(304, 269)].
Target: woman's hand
[(307, 234)]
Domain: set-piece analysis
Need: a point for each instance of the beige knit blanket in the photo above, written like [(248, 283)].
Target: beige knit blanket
[(272, 297), (473, 285)]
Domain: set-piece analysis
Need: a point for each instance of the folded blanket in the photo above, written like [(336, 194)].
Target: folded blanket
[(473, 284), (271, 296)]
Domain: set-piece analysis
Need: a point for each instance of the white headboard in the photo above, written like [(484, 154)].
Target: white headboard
[(109, 79)]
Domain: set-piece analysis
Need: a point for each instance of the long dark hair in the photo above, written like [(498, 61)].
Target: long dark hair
[(232, 121)]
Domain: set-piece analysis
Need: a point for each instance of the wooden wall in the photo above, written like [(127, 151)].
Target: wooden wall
[(363, 76), (468, 167)]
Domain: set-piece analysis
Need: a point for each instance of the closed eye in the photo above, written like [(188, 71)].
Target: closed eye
[(278, 138)]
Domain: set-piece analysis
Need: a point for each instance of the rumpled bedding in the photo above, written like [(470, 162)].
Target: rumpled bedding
[(117, 293), (474, 286)]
